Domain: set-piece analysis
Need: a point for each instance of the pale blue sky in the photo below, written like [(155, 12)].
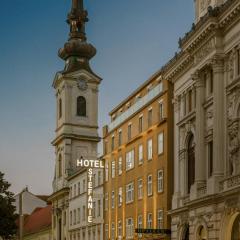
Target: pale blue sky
[(134, 38)]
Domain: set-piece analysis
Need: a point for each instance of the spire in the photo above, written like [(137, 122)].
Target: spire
[(76, 51)]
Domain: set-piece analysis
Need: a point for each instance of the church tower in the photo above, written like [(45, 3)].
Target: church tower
[(202, 7), (76, 91)]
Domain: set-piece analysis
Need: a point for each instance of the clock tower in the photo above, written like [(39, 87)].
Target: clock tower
[(76, 91)]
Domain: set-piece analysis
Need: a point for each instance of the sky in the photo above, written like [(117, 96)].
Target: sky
[(134, 38)]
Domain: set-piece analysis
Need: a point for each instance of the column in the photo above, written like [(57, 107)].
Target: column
[(218, 121), (176, 163), (200, 159)]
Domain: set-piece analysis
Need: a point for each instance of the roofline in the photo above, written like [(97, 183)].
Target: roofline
[(158, 72)]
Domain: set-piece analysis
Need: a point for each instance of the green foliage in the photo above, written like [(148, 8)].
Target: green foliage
[(8, 218)]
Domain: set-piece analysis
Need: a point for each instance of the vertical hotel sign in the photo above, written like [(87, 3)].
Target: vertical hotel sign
[(90, 165)]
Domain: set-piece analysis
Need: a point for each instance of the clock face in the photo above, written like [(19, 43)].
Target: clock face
[(82, 84)]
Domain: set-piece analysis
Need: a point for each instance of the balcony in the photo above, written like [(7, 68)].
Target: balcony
[(136, 106), (230, 183)]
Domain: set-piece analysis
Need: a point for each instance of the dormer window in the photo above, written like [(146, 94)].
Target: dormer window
[(81, 106)]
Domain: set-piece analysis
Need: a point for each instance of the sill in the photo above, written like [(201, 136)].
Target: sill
[(140, 199), (140, 164), (128, 203), (150, 159), (150, 195), (160, 154), (160, 192)]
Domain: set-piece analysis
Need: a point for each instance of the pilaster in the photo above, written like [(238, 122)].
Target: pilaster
[(200, 162), (218, 124)]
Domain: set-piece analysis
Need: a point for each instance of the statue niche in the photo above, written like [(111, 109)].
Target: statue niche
[(234, 146)]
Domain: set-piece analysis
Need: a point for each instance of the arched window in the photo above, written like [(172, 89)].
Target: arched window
[(60, 108), (81, 107), (202, 233), (60, 166), (191, 162), (185, 235), (236, 229)]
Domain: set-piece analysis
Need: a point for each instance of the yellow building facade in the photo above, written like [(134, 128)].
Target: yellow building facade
[(138, 164)]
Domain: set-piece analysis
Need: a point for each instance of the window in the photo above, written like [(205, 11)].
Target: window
[(191, 162), (113, 231), (140, 224), (149, 185), (150, 117), (140, 188), (94, 210), (129, 132), (119, 137), (84, 213), (149, 220), (75, 190), (189, 100), (129, 228), (81, 106), (160, 219), (79, 215), (119, 165), (160, 180), (60, 165), (140, 124), (129, 192), (113, 199), (130, 160), (60, 108), (161, 86), (161, 113), (149, 149), (71, 193), (106, 232), (106, 171), (106, 201), (140, 154), (119, 230), (113, 142), (70, 217), (211, 82), (99, 208), (79, 189), (94, 180), (113, 169), (120, 197), (210, 158), (238, 61), (99, 177), (105, 147), (160, 143), (84, 185), (75, 217)]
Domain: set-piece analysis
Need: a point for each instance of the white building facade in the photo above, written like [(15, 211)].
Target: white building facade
[(206, 78), (76, 91), (79, 228)]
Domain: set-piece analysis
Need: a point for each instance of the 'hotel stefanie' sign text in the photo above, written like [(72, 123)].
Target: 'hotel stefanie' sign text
[(90, 164)]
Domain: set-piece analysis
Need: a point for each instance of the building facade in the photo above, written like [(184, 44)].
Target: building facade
[(78, 221), (206, 78), (76, 91), (138, 164)]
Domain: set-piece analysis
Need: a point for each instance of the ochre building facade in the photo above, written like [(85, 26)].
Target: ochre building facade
[(138, 163)]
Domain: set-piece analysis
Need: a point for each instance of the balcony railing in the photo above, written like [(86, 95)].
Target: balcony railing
[(136, 106), (230, 182)]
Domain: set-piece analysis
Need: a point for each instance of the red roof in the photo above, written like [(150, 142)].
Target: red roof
[(39, 220)]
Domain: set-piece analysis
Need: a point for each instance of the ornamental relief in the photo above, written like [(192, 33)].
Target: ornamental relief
[(234, 146), (204, 51), (209, 118)]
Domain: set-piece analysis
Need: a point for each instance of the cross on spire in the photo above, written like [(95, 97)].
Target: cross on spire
[(76, 51)]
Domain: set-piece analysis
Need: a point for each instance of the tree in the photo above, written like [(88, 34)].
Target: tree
[(8, 227)]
